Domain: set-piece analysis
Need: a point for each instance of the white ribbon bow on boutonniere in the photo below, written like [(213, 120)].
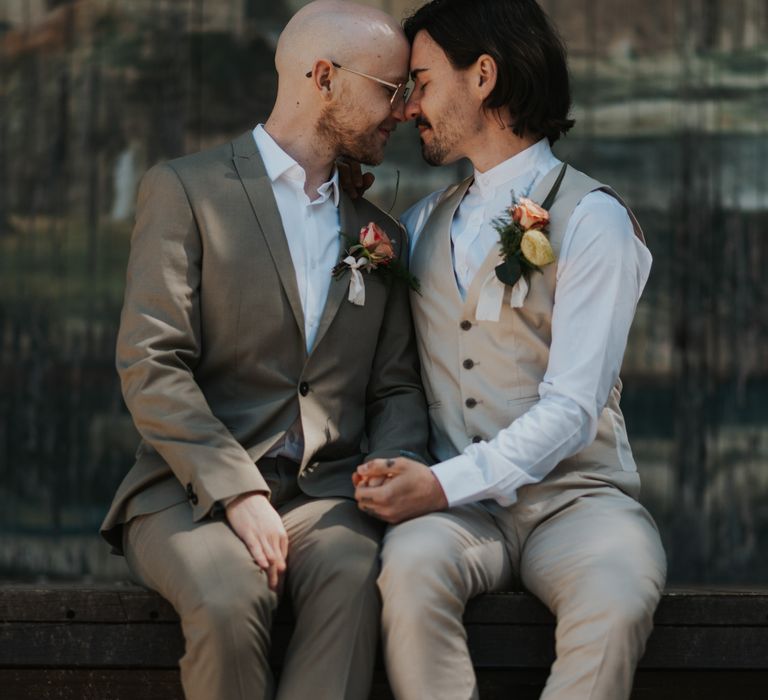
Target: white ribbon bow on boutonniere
[(356, 284), (524, 248), (373, 250)]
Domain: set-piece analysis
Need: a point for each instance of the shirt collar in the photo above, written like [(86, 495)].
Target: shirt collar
[(279, 164), (518, 165)]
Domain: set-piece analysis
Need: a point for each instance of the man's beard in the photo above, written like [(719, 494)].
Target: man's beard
[(435, 152), (365, 148), (440, 146)]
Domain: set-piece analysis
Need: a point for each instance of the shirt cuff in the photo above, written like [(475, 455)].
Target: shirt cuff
[(462, 482)]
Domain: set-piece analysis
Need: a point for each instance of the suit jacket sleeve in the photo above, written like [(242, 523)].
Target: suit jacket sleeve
[(396, 412), (159, 346)]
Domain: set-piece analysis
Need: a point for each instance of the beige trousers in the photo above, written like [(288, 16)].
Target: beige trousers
[(591, 553), (226, 607)]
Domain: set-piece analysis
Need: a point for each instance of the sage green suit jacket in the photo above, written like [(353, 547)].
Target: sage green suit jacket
[(211, 350)]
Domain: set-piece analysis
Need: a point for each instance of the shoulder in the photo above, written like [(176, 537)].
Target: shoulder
[(203, 164), (601, 226), (600, 207), (414, 217), (595, 209), (190, 167)]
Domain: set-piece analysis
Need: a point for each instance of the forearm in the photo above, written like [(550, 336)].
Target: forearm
[(523, 453), (159, 348)]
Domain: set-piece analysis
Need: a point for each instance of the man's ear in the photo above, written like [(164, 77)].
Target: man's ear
[(321, 75), (486, 73)]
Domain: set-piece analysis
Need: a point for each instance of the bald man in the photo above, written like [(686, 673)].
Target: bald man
[(253, 405)]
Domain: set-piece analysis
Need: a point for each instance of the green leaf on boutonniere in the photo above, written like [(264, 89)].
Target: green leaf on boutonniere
[(509, 271)]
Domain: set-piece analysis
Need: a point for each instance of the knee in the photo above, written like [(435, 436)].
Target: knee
[(416, 569), (349, 559), (632, 611), (232, 612), (624, 611)]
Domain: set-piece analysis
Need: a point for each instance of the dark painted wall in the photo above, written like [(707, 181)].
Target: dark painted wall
[(671, 110)]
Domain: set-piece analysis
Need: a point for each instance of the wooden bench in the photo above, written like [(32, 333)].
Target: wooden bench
[(120, 642)]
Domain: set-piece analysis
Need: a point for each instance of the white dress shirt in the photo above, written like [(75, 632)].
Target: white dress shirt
[(312, 231), (602, 269)]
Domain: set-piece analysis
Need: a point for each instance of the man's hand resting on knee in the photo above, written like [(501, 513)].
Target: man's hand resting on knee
[(260, 527)]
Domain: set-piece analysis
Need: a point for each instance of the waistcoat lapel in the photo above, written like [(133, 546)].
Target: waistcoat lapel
[(432, 253)]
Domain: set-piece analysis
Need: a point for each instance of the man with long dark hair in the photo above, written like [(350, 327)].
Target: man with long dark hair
[(530, 275)]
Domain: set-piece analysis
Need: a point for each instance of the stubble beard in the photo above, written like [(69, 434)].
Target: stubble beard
[(446, 135), (346, 141)]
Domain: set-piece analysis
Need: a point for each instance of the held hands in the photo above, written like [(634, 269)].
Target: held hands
[(399, 489), (259, 526)]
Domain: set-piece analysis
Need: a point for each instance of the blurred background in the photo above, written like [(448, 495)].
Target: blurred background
[(671, 103)]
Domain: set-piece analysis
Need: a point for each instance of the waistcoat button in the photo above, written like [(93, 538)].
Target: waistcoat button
[(465, 325), (303, 388)]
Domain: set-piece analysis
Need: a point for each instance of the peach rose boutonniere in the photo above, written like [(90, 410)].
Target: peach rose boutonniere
[(524, 247), (524, 243), (372, 250)]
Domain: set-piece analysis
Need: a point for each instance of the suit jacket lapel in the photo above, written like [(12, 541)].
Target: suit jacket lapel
[(339, 288), (258, 187)]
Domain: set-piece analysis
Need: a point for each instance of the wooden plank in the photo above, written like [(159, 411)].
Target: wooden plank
[(54, 644), (695, 648), (160, 645), (700, 685), (104, 645), (727, 608), (84, 604), (112, 684), (47, 684), (134, 604)]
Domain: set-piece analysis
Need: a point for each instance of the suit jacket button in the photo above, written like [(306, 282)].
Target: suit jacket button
[(465, 325), (477, 438), (470, 403), (468, 364), (303, 388)]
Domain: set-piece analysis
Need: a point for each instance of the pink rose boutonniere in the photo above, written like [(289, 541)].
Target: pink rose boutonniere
[(372, 251)]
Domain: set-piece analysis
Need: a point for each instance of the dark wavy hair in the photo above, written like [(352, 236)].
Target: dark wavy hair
[(532, 72)]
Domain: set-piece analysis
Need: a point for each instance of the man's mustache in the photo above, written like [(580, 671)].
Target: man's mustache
[(420, 121)]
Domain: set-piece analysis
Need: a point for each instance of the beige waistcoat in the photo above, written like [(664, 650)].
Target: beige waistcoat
[(477, 399)]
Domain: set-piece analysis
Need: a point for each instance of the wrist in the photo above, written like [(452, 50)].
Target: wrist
[(438, 493), (235, 500)]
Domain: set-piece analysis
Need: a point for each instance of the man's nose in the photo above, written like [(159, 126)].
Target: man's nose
[(412, 109), (398, 110)]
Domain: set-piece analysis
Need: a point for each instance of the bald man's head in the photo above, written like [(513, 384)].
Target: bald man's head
[(338, 64), (344, 31)]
